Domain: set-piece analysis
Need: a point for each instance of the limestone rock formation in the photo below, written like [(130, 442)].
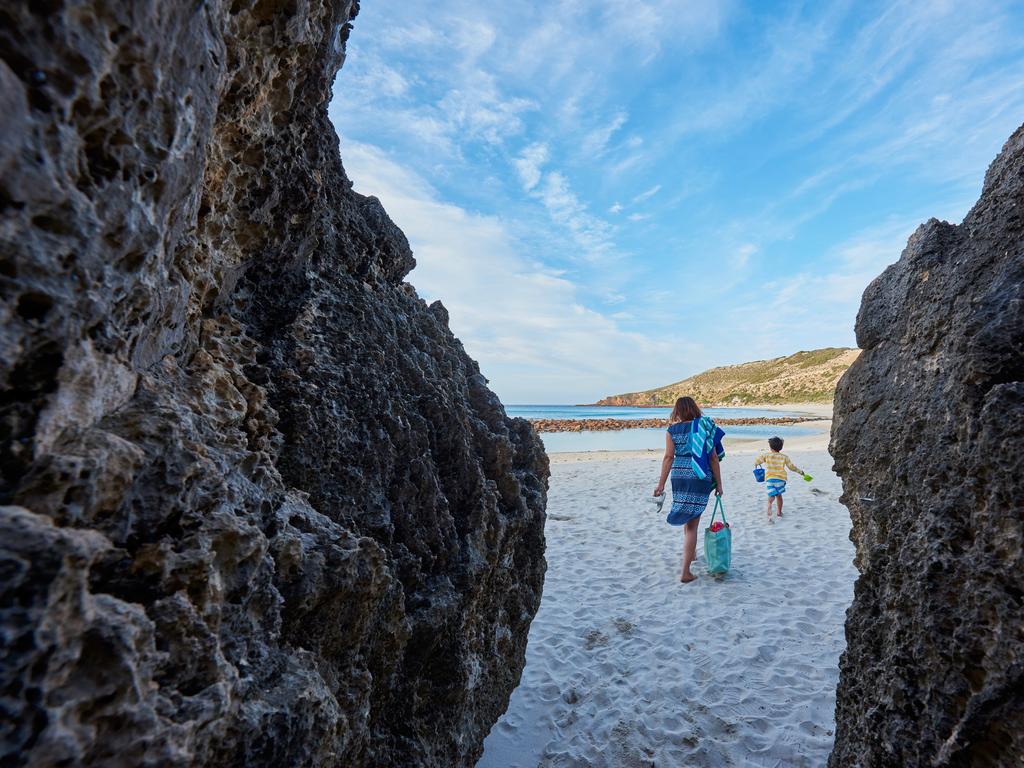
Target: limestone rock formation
[(929, 439), (261, 508)]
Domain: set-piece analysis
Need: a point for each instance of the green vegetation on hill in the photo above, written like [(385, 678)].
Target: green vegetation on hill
[(806, 377)]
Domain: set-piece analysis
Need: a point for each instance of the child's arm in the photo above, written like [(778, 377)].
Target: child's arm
[(791, 465), (761, 458)]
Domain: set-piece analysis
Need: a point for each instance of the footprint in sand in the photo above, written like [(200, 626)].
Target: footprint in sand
[(625, 627), (593, 639)]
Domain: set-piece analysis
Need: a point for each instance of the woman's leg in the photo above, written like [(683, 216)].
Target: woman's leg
[(689, 549)]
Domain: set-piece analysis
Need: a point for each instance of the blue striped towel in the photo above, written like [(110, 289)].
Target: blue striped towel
[(705, 437)]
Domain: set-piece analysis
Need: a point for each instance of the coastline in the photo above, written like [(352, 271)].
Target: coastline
[(734, 446), (615, 425)]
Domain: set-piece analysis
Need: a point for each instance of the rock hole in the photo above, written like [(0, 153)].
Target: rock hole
[(107, 89), (102, 166), (36, 373), (39, 100), (115, 35), (52, 224), (34, 305), (132, 260), (6, 201), (45, 7)]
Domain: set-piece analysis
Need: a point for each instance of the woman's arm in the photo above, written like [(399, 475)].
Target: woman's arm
[(666, 464), (716, 470)]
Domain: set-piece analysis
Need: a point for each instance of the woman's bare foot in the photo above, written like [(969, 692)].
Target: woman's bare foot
[(686, 578)]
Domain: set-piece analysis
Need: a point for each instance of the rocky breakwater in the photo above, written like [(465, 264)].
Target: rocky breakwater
[(928, 437), (261, 508), (610, 425)]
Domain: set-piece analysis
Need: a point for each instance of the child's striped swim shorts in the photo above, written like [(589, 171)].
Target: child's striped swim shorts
[(775, 487)]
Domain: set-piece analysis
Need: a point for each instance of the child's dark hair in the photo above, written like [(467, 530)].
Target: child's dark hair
[(775, 443)]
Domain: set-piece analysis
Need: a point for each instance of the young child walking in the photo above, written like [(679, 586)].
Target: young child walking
[(775, 475)]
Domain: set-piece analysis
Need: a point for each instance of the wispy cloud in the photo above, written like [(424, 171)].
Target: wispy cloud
[(758, 152), (596, 142), (524, 322), (593, 235), (529, 165), (647, 194)]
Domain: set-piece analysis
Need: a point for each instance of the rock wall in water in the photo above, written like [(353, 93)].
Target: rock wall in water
[(929, 439), (260, 506)]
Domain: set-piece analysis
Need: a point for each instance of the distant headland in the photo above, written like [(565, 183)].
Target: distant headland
[(804, 377)]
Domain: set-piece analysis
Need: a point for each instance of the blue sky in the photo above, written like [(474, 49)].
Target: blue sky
[(612, 196)]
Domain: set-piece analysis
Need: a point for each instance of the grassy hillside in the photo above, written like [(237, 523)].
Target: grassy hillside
[(806, 377)]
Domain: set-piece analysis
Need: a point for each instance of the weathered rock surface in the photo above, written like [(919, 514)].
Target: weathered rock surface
[(929, 438), (261, 507)]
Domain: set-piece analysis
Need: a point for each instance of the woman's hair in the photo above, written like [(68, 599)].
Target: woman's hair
[(685, 410)]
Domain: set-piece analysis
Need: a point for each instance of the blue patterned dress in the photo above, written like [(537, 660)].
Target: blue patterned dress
[(689, 492)]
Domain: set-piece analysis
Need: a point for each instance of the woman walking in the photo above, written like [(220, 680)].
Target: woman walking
[(693, 450)]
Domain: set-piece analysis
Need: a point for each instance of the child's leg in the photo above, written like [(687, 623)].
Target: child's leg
[(770, 500), (779, 497)]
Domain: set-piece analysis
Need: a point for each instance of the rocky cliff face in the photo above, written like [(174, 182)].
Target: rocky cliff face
[(928, 437), (261, 507)]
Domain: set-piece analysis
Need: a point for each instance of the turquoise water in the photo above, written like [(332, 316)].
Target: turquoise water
[(654, 439), (641, 439), (623, 412)]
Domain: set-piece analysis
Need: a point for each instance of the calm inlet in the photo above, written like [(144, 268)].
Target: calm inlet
[(643, 439)]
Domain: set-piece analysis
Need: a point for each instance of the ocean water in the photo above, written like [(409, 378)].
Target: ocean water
[(654, 439), (624, 412), (641, 439)]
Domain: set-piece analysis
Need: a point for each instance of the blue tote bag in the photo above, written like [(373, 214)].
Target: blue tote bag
[(718, 544)]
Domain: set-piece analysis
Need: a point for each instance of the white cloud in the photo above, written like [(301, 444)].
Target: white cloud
[(477, 108), (596, 142), (525, 323), (816, 306), (529, 163), (591, 234), (743, 254), (378, 78), (647, 194), (615, 208)]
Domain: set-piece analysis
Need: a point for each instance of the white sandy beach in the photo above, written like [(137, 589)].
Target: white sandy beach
[(628, 667)]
